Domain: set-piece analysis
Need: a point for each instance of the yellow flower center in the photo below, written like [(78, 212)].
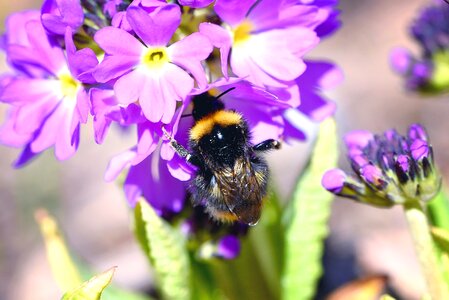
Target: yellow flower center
[(69, 85), (243, 32), (155, 58)]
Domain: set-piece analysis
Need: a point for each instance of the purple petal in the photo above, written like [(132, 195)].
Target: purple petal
[(373, 175), (189, 53), (419, 149), (158, 97), (358, 138), (119, 21), (152, 101), (320, 75), (128, 87), (57, 16), (244, 66), (401, 60), (8, 135), (228, 247), (334, 180), (417, 131), (67, 138), (103, 102), (114, 66), (180, 169), (196, 3), (30, 116), (151, 32), (49, 130), (286, 66), (25, 157), (24, 90), (82, 105), (147, 139), (233, 11), (115, 41), (81, 63), (330, 25), (403, 163), (47, 52), (220, 38), (16, 27), (117, 164), (141, 182), (288, 96)]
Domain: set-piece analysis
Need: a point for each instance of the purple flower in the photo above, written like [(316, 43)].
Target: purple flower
[(426, 73), (153, 74), (390, 169), (257, 32), (47, 101), (431, 28), (401, 60), (228, 247), (286, 30), (110, 7), (58, 14)]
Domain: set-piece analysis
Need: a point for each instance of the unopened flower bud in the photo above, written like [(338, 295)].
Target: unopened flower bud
[(390, 169)]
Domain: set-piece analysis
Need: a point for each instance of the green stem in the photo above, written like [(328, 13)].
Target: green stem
[(422, 239)]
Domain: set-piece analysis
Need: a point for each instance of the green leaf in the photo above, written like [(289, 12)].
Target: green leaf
[(309, 213), (62, 266), (91, 289), (166, 250), (441, 238)]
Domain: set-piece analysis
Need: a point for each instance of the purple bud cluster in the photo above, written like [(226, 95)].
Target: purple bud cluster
[(390, 169), (431, 31)]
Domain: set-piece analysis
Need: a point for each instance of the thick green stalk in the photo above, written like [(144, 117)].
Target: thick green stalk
[(420, 230)]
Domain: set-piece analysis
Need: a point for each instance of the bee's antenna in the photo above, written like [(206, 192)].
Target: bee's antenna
[(188, 115), (225, 92)]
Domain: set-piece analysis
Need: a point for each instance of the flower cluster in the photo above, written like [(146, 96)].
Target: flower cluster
[(390, 169), (140, 63), (427, 73)]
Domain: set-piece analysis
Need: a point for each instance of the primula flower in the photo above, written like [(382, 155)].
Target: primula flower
[(391, 169), (257, 32), (152, 73), (47, 101)]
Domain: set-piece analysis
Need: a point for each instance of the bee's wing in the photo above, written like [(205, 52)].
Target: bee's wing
[(243, 192)]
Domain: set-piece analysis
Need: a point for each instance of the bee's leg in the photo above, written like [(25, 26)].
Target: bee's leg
[(267, 145), (180, 150)]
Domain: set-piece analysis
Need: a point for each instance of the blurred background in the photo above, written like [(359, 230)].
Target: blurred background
[(96, 220)]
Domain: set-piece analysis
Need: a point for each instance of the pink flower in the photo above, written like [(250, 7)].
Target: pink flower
[(154, 74)]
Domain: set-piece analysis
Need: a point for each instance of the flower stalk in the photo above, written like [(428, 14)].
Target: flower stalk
[(424, 247)]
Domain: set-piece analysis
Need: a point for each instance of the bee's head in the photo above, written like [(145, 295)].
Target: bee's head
[(220, 137), (204, 105)]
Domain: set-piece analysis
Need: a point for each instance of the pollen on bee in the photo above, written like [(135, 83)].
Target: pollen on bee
[(205, 125), (223, 216)]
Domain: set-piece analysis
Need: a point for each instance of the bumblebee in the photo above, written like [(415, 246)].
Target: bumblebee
[(231, 180)]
